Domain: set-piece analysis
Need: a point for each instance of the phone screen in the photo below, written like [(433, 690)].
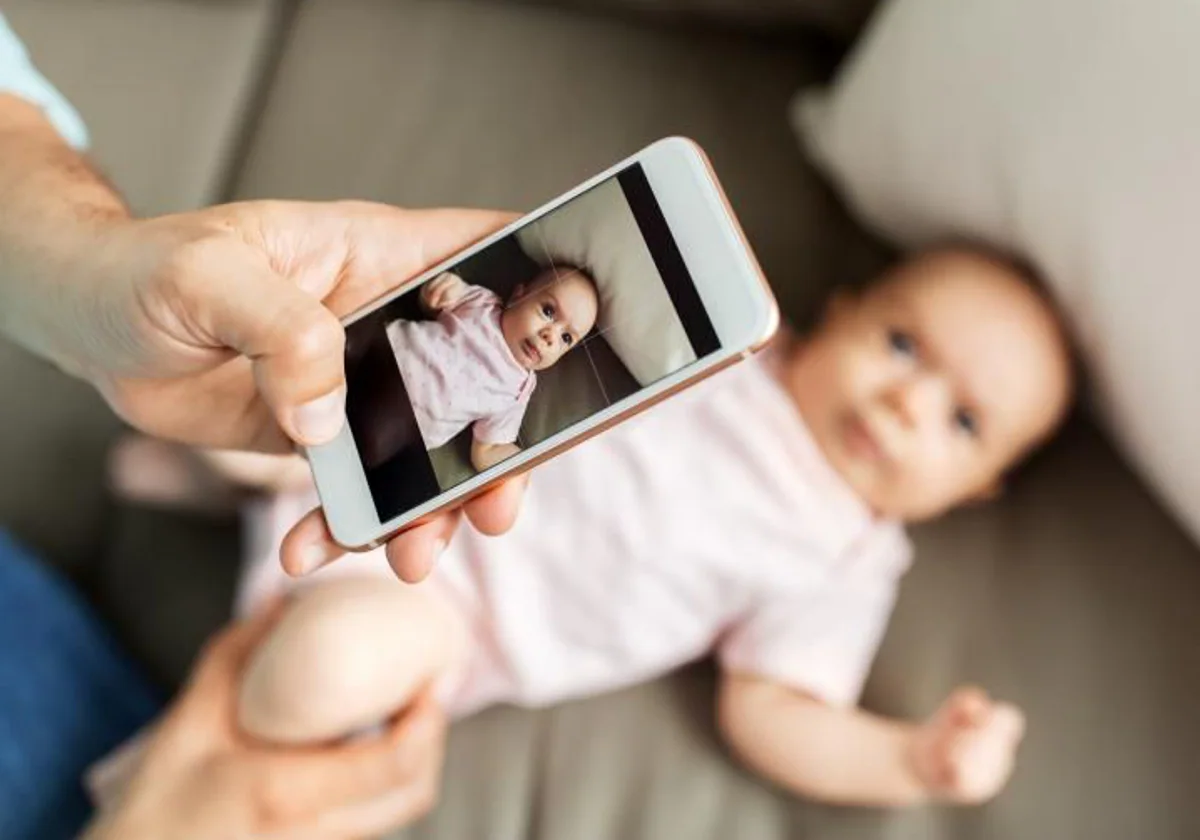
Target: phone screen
[(568, 315)]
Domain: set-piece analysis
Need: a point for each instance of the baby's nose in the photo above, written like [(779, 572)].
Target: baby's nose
[(920, 399)]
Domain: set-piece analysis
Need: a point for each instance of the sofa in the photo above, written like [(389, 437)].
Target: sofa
[(1074, 594)]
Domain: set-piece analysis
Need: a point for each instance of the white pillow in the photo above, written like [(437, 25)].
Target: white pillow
[(598, 233), (1069, 132)]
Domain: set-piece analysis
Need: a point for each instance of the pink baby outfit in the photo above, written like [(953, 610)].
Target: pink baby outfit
[(712, 522), (459, 371)]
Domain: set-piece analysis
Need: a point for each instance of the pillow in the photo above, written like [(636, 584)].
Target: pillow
[(598, 233), (1068, 132)]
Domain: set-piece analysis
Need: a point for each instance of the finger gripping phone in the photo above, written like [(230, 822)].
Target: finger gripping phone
[(625, 290)]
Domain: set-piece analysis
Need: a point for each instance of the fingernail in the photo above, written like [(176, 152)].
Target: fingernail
[(312, 557), (320, 420)]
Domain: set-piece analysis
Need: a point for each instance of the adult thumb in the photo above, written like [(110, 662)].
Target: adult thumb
[(296, 346)]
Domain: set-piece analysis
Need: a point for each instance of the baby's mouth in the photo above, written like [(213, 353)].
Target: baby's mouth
[(532, 354), (860, 440)]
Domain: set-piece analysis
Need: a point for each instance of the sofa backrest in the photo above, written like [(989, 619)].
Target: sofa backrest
[(841, 20)]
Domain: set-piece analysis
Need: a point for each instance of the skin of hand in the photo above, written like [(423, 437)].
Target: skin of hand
[(218, 327), (443, 292), (202, 778), (487, 455), (964, 754)]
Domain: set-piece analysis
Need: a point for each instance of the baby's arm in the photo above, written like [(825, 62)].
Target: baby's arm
[(484, 455), (443, 293), (963, 754)]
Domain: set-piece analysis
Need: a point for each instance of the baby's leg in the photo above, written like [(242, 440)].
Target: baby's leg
[(346, 655), (257, 471), (154, 472)]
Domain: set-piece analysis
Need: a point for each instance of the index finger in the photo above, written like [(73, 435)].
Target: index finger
[(412, 553), (392, 245)]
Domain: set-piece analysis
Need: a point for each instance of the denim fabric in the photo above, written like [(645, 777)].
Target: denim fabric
[(68, 695)]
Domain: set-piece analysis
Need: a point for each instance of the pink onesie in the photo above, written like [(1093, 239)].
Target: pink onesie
[(712, 522), (458, 371)]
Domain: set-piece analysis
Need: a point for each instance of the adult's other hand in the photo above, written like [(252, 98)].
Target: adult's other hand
[(201, 778)]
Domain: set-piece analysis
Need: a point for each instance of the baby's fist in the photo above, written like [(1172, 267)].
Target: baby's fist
[(443, 292), (965, 752)]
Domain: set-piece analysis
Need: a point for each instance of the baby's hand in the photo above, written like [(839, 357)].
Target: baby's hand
[(965, 752), (443, 292)]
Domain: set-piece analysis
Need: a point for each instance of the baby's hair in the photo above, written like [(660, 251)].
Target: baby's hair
[(555, 273), (561, 271)]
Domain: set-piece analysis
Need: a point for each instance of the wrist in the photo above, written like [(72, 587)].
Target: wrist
[(58, 276), (55, 211), (919, 763)]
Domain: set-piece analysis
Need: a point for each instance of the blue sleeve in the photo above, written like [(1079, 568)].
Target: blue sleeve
[(19, 77)]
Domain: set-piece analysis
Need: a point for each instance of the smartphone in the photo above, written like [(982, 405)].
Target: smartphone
[(625, 290)]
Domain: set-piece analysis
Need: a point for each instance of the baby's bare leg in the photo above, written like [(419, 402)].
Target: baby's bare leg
[(162, 474), (258, 471), (346, 655)]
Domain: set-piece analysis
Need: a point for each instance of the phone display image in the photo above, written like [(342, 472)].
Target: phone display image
[(516, 343)]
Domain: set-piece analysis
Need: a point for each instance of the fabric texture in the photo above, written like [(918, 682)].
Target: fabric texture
[(1064, 132), (459, 372), (68, 694), (711, 522), (19, 77)]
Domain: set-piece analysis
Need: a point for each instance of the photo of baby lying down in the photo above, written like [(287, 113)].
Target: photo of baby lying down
[(759, 518), (513, 344), (475, 365)]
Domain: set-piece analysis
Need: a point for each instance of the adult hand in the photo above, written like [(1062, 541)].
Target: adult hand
[(201, 778), (217, 328), (236, 308)]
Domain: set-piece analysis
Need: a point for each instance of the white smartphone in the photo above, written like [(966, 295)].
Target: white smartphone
[(625, 290)]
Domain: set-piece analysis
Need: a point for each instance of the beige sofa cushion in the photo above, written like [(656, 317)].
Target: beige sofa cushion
[(163, 85), (508, 105)]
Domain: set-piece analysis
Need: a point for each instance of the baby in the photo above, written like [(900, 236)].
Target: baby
[(476, 363), (758, 516)]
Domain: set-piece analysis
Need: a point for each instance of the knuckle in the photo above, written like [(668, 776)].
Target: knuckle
[(271, 805), (315, 334)]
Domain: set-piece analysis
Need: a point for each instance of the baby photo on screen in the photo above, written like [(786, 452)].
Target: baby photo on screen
[(510, 346)]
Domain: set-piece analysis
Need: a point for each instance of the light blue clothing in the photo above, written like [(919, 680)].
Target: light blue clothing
[(19, 77)]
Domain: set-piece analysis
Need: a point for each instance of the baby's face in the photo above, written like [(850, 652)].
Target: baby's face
[(548, 317), (922, 392)]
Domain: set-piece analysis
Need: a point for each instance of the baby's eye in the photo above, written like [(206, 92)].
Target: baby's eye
[(568, 339), (902, 343), (548, 310), (966, 422)]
